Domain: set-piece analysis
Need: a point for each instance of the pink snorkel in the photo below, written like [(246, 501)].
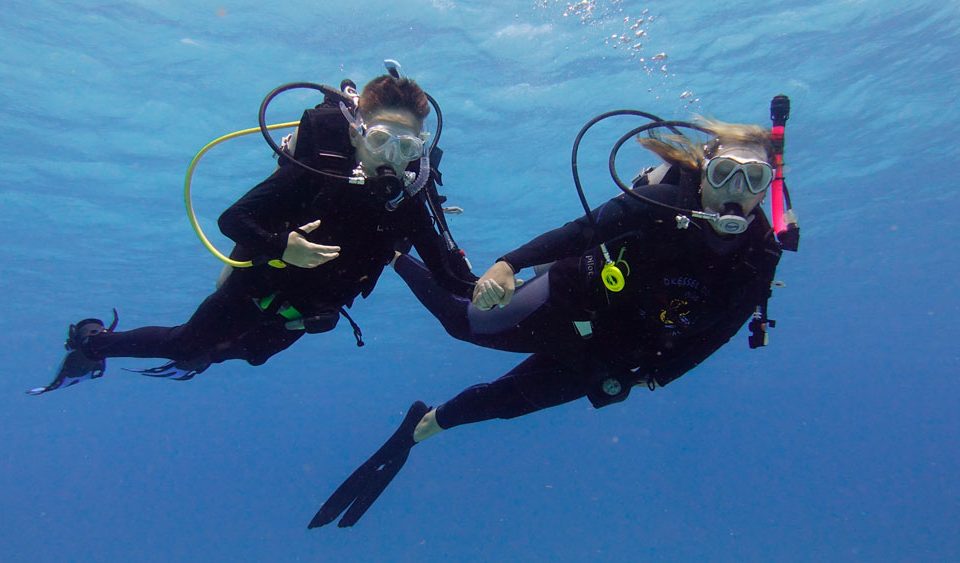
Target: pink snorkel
[(784, 221)]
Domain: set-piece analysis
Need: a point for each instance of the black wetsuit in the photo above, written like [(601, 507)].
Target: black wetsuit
[(687, 293), (229, 323)]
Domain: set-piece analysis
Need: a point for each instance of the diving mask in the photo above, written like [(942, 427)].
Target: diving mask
[(393, 148), (722, 169)]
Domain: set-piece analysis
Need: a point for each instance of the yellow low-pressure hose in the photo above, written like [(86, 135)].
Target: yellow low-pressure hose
[(188, 199)]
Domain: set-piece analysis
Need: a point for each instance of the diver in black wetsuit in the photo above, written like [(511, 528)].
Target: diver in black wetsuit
[(686, 293), (334, 238)]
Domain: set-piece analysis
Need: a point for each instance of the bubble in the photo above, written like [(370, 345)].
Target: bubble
[(625, 33)]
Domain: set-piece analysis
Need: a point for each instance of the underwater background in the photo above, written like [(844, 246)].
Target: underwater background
[(839, 441)]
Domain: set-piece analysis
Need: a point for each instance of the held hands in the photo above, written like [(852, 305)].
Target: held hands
[(305, 254), (495, 287)]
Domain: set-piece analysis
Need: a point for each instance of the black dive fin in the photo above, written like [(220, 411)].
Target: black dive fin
[(75, 366), (364, 486), (176, 370)]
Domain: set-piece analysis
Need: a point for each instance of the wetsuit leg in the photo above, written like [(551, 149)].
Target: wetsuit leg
[(448, 308), (539, 382), (222, 316), (529, 324), (258, 345)]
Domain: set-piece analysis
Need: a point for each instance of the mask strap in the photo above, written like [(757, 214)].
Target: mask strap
[(354, 119)]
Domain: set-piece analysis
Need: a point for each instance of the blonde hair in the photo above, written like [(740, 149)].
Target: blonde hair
[(679, 150)]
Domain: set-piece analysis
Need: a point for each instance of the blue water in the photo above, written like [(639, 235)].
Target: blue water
[(837, 442)]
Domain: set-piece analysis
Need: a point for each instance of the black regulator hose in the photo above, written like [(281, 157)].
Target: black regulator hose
[(436, 135), (576, 150), (262, 118), (612, 161)]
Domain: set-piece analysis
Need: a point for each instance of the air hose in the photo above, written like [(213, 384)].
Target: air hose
[(188, 199)]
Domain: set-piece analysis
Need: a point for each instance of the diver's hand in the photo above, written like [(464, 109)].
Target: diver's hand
[(305, 254), (495, 287)]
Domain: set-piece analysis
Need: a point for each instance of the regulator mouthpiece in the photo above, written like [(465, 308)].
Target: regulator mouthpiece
[(730, 224), (731, 221), (387, 187)]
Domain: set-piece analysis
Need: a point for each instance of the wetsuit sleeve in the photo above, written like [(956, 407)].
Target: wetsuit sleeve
[(257, 220), (620, 215), (449, 268)]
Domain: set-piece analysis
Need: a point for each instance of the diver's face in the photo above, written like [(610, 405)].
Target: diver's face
[(734, 193), (392, 139)]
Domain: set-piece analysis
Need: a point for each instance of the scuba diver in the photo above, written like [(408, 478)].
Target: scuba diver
[(627, 295), (355, 182)]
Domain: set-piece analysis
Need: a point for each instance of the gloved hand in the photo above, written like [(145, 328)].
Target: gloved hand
[(495, 287), (305, 254)]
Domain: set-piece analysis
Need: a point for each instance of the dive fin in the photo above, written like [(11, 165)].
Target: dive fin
[(176, 370), (75, 366), (367, 482)]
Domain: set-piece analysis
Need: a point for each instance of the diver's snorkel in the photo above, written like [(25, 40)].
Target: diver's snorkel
[(785, 224), (423, 172), (423, 175)]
